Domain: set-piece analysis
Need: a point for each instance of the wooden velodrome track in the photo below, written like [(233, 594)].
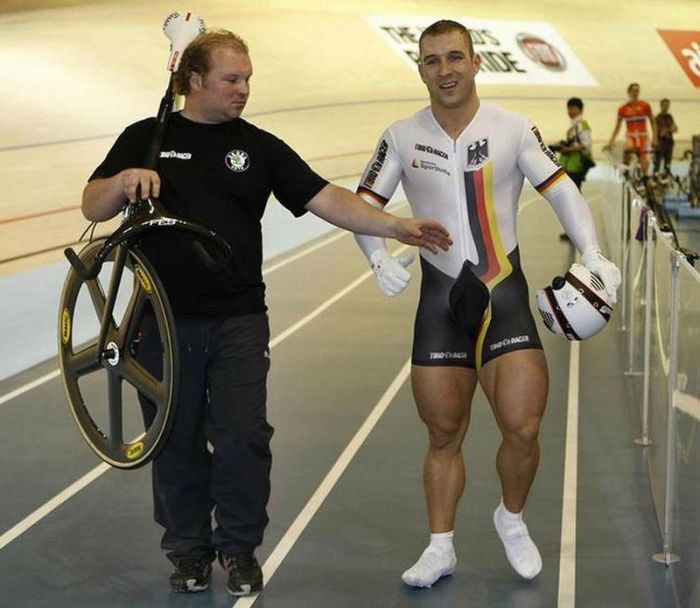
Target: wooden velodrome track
[(75, 73)]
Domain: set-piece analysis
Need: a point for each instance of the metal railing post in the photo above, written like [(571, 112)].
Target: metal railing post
[(631, 336), (624, 236), (632, 280), (666, 556), (644, 440)]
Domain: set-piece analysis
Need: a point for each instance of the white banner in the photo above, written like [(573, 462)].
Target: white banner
[(512, 52)]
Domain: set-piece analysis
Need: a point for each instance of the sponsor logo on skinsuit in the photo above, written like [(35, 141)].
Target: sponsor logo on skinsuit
[(509, 342), (448, 355), (545, 148), (429, 165), (431, 150), (377, 164)]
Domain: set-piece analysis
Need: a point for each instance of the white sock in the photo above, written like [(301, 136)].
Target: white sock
[(436, 561), (520, 550), (443, 540)]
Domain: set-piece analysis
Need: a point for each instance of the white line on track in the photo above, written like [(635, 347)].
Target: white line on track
[(324, 489), (89, 477), (29, 386), (52, 504), (304, 252), (392, 206), (567, 556), (328, 303)]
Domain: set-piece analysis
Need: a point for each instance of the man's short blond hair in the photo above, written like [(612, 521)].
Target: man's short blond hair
[(197, 56)]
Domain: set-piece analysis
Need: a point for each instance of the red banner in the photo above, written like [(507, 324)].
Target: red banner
[(685, 47)]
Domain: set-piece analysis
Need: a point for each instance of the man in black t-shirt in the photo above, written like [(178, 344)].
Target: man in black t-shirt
[(218, 170), (665, 128)]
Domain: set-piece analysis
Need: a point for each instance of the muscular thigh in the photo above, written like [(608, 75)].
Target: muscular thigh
[(443, 396), (516, 386)]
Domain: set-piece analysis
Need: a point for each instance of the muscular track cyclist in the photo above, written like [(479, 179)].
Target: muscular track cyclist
[(462, 162)]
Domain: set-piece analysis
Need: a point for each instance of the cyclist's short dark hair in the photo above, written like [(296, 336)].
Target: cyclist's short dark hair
[(631, 85), (576, 102)]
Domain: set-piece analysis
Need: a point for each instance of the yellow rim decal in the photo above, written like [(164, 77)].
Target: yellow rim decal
[(65, 326), (143, 278), (135, 450)]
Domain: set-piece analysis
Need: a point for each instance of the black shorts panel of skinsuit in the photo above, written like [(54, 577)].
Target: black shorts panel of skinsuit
[(473, 335)]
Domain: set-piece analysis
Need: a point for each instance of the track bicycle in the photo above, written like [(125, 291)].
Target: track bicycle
[(119, 263)]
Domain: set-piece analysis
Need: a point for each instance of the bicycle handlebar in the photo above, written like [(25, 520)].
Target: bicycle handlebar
[(148, 215)]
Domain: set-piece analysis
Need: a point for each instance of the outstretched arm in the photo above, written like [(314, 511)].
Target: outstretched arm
[(347, 210)]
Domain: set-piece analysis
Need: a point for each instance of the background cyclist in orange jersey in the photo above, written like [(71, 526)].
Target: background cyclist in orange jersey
[(635, 114)]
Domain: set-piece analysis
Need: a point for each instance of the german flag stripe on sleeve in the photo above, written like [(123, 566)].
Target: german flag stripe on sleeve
[(380, 200), (559, 174)]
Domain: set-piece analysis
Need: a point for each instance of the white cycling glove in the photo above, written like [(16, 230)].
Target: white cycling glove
[(390, 271), (604, 269)]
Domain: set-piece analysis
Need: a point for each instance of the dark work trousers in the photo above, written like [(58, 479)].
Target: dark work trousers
[(663, 152), (221, 400)]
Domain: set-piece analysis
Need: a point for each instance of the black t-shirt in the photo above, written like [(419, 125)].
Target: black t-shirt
[(219, 176), (664, 126)]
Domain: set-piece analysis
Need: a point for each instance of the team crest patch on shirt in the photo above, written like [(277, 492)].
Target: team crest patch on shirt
[(237, 160), (478, 152)]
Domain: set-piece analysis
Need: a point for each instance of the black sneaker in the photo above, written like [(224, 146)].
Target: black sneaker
[(191, 574), (244, 573)]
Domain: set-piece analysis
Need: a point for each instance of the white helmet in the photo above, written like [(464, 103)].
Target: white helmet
[(576, 306)]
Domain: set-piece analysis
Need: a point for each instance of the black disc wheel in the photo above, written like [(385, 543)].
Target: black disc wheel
[(123, 407)]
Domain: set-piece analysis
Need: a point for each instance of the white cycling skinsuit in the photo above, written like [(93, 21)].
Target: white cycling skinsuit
[(472, 186)]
